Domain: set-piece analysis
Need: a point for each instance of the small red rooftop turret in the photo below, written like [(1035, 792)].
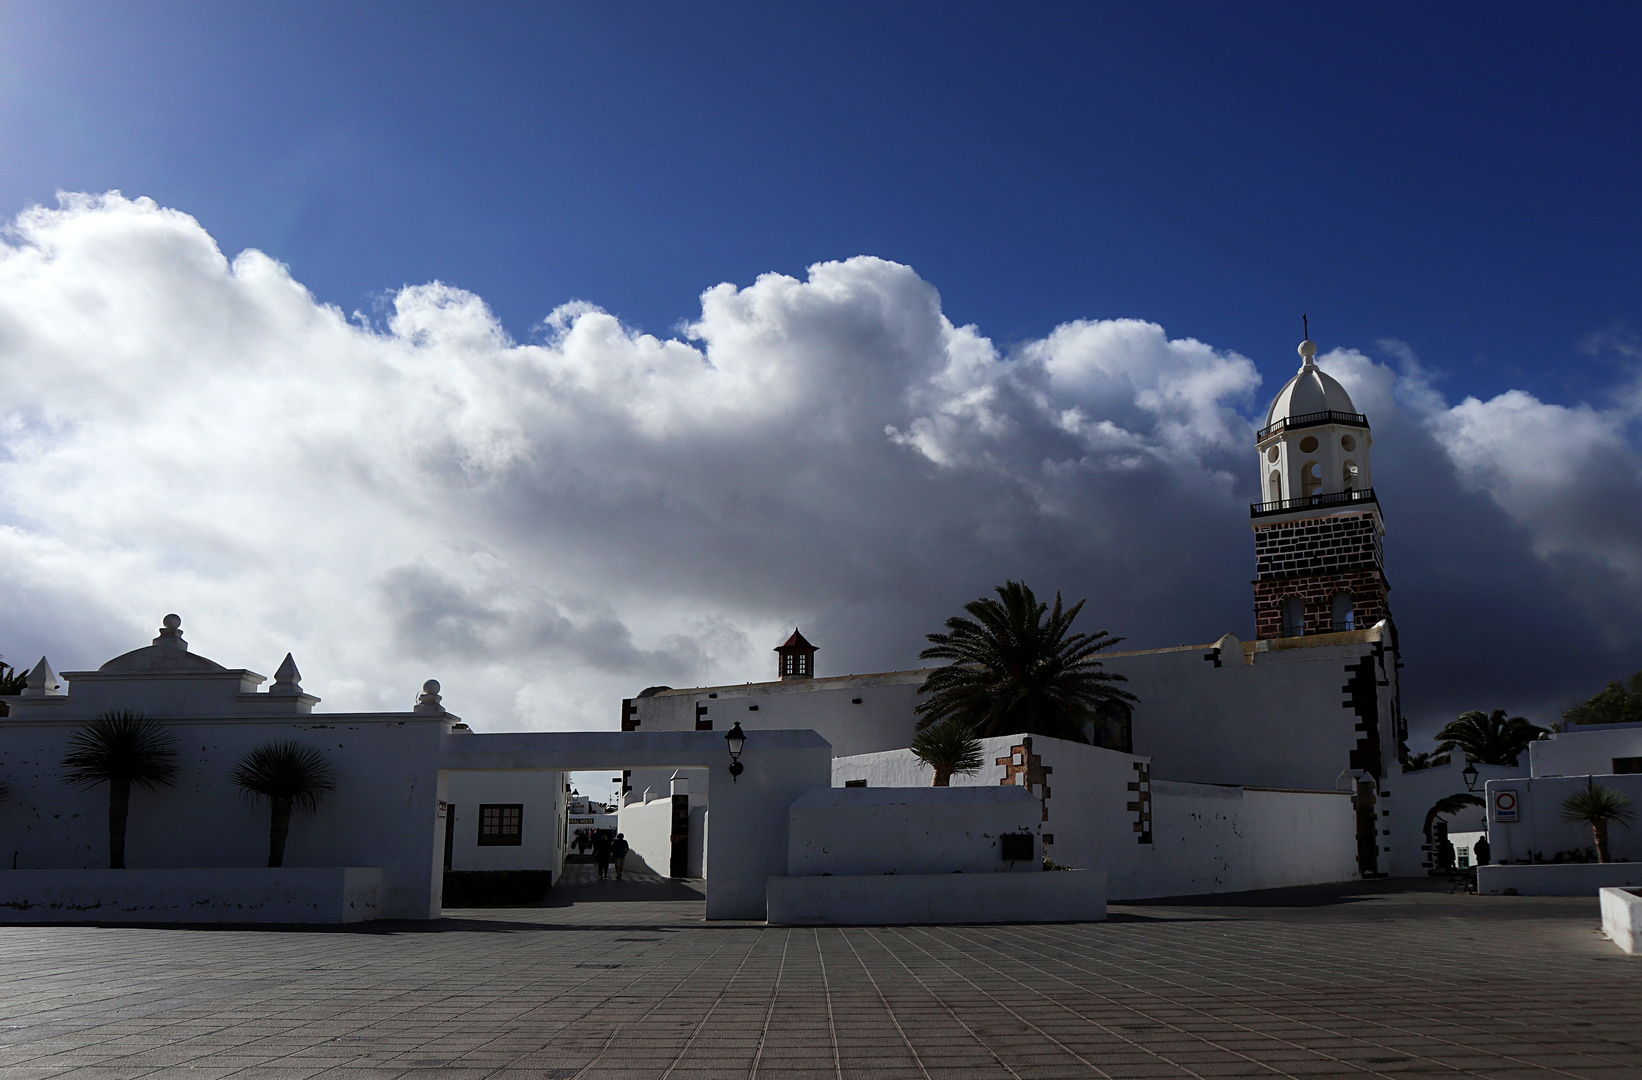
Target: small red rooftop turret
[(795, 658)]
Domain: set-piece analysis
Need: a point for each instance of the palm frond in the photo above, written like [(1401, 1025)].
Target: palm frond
[(1597, 805), (948, 746), (121, 745), (286, 770)]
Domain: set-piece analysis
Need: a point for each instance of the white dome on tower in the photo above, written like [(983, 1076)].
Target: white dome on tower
[(1312, 390)]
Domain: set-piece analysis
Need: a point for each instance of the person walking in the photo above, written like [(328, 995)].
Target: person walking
[(601, 852), (618, 851), (1480, 851)]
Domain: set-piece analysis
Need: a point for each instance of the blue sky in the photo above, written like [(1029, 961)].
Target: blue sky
[(1450, 193), (1460, 178)]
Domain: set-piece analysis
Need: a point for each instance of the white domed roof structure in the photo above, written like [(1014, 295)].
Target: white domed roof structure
[(1312, 390)]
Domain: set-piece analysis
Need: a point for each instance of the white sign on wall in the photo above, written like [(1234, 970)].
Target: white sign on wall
[(1505, 805)]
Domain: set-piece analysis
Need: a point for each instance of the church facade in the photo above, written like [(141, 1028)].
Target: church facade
[(1310, 702)]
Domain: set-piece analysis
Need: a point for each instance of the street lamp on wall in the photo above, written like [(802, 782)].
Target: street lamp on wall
[(1470, 775), (735, 739)]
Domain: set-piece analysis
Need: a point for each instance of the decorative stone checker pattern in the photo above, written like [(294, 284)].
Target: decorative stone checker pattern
[(1364, 980), (1315, 559)]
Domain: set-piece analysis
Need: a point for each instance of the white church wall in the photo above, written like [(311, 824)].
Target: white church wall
[(1539, 832), (541, 794), (927, 830), (384, 811), (1585, 749)]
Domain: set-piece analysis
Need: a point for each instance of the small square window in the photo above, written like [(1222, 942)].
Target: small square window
[(501, 824), (1627, 764)]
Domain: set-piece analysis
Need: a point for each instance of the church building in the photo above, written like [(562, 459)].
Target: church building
[(1309, 703)]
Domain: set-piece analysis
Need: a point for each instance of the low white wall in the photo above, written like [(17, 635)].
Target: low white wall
[(1539, 831), (925, 899), (1556, 879), (848, 831), (329, 894), (1203, 838), (542, 796), (1622, 917), (648, 829)]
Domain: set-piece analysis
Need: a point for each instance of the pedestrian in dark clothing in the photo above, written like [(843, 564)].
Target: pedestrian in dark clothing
[(601, 851), (1445, 854), (618, 851), (1480, 851)]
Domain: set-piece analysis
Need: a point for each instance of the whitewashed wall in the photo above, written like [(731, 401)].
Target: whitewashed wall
[(1585, 749), (384, 811), (1411, 795), (648, 829), (541, 794), (854, 831), (1540, 828), (1205, 838)]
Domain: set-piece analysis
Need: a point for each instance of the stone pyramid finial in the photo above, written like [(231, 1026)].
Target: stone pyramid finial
[(42, 681), (428, 701), (287, 680)]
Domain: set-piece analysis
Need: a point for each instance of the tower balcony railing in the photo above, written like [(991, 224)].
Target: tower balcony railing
[(1313, 502), (1312, 419)]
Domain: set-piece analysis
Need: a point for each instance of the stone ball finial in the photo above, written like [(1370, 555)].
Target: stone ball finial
[(428, 700), (1308, 349), (171, 622), (431, 686)]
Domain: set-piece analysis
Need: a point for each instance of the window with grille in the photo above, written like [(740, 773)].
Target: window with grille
[(501, 824)]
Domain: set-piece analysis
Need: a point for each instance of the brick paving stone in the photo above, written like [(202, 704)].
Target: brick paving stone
[(1380, 979)]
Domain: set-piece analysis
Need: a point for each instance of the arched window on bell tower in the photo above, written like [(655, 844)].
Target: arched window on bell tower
[(1345, 615), (1294, 617), (795, 658)]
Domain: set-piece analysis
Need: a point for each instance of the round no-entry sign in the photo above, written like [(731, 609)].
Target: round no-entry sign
[(1505, 805)]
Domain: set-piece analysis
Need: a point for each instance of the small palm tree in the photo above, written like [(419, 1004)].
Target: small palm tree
[(120, 748), (1488, 738), (948, 747), (1012, 672), (288, 774), (1596, 806)]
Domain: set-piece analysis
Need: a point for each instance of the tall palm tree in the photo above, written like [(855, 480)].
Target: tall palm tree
[(120, 748), (1013, 672), (1424, 760), (948, 747), (1489, 738), (288, 774), (1596, 806)]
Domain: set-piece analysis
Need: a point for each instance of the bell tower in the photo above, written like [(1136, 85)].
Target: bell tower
[(1317, 536)]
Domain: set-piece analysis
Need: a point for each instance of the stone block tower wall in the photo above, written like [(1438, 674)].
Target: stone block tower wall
[(1316, 559)]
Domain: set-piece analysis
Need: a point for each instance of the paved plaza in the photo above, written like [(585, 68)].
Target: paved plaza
[(609, 980)]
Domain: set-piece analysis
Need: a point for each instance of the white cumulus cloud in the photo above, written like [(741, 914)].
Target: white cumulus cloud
[(549, 526)]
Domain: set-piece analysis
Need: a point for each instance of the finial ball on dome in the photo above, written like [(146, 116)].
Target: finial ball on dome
[(431, 686), (1308, 348), (171, 622)]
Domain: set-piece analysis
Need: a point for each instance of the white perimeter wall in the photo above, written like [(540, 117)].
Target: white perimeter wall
[(1587, 749), (1540, 830), (541, 794), (648, 830), (855, 831), (1205, 838), (384, 811)]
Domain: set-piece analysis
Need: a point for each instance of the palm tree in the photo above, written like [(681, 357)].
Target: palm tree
[(1489, 738), (948, 747), (1012, 672), (120, 748), (1424, 760), (1596, 806), (288, 774)]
